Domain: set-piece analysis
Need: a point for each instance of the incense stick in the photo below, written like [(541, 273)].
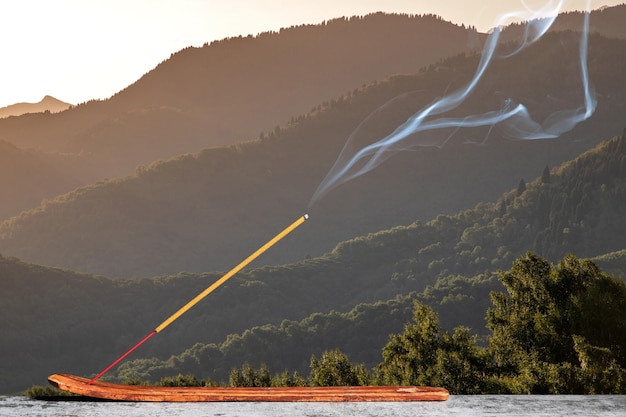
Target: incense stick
[(206, 292)]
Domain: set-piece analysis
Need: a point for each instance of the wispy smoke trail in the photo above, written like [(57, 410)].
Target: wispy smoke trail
[(513, 119)]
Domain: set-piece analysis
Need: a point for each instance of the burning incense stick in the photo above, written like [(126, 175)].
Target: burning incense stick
[(206, 292)]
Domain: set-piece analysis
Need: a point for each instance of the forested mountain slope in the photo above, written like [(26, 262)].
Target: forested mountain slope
[(568, 210), (207, 211), (607, 21), (231, 90), (28, 176), (54, 320), (614, 263)]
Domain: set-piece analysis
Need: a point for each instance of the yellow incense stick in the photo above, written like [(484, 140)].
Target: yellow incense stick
[(232, 272), (208, 291)]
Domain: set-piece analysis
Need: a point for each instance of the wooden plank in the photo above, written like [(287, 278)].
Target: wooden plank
[(120, 392)]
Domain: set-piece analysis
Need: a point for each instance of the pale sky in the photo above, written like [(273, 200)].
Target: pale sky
[(78, 50)]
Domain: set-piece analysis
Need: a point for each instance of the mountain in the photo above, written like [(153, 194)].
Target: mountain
[(613, 263), (47, 104), (208, 210), (55, 320), (231, 90), (606, 21), (29, 176)]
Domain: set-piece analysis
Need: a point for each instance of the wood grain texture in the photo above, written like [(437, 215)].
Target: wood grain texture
[(120, 392)]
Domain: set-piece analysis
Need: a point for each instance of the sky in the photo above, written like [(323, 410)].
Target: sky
[(79, 50)]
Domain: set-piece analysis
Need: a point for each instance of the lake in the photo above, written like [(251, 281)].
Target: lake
[(457, 405)]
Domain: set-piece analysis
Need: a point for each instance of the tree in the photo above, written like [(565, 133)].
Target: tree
[(559, 330), (461, 365), (334, 369), (521, 187), (545, 175), (409, 357), (518, 319), (422, 355), (287, 379), (246, 376), (180, 381)]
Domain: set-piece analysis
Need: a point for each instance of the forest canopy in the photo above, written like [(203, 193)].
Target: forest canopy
[(553, 330)]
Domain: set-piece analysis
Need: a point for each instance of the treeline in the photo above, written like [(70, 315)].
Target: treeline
[(360, 332), (554, 330)]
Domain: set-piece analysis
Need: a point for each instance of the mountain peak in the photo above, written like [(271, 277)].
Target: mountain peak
[(47, 103), (50, 99)]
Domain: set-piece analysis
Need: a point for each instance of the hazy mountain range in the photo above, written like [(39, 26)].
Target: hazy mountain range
[(194, 166), (204, 211), (232, 90), (228, 92), (47, 104)]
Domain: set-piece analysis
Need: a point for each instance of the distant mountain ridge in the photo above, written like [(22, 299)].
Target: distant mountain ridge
[(233, 90), (230, 91), (47, 104), (206, 211), (606, 21), (28, 176)]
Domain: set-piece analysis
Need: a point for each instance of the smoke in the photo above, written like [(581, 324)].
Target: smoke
[(512, 119)]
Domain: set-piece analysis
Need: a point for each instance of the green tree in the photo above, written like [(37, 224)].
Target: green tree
[(180, 381), (521, 187), (559, 330), (409, 357), (288, 379), (461, 366), (335, 369), (519, 320), (423, 355), (600, 372), (247, 376), (545, 175)]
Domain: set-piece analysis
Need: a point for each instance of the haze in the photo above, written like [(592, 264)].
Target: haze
[(77, 51)]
